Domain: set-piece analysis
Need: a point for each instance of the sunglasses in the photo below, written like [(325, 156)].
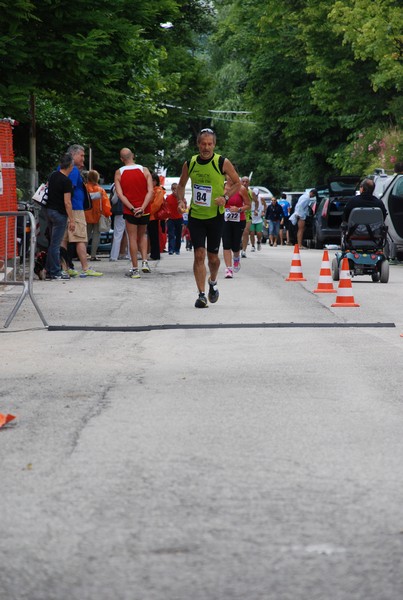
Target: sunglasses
[(207, 130)]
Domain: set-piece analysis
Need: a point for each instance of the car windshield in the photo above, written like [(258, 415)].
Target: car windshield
[(344, 186), (341, 187)]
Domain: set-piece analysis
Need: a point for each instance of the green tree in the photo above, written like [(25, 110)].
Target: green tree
[(108, 68)]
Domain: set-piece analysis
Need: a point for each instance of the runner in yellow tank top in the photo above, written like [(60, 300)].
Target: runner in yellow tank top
[(207, 172)]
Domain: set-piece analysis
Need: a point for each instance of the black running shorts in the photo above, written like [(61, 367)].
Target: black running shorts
[(232, 235), (210, 229), (143, 220)]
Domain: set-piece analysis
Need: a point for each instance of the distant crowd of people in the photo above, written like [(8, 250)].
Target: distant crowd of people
[(78, 206), (223, 209)]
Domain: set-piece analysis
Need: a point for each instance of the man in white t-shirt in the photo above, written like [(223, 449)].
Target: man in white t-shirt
[(301, 212)]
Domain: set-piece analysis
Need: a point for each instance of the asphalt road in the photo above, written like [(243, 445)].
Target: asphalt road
[(249, 451)]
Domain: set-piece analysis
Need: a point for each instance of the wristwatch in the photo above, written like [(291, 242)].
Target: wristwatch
[(226, 197)]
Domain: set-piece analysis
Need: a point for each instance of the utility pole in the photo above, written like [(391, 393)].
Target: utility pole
[(33, 180)]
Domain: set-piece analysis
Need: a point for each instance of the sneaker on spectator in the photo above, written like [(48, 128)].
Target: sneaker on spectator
[(144, 267), (63, 275), (73, 273), (90, 273), (133, 273)]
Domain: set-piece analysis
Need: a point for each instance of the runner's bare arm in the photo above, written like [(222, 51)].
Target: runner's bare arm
[(229, 170), (181, 187)]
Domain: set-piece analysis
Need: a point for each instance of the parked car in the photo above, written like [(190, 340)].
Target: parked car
[(326, 224), (264, 193), (392, 198), (107, 187)]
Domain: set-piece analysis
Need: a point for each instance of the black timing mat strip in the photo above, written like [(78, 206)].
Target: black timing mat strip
[(139, 328)]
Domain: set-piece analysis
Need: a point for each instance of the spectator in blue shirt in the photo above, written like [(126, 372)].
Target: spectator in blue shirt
[(286, 206)]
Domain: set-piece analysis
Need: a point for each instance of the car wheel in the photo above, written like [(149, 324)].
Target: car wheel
[(317, 243), (384, 276), (335, 270)]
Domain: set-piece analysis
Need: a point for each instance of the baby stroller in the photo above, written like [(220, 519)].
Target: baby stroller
[(363, 240)]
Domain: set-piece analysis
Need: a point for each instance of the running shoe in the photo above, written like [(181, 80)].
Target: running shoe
[(63, 275), (237, 264), (228, 273), (90, 273), (213, 292), (253, 249), (73, 273), (201, 301), (133, 274), (144, 267), (259, 245), (243, 254)]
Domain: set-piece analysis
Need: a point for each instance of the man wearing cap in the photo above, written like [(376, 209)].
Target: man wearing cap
[(207, 171)]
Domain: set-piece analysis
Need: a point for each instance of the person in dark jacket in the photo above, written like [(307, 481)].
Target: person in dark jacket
[(275, 217), (365, 199)]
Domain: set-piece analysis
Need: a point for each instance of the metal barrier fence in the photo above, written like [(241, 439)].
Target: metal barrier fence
[(18, 268)]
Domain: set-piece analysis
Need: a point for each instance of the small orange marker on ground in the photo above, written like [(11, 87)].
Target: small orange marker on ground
[(4, 419)]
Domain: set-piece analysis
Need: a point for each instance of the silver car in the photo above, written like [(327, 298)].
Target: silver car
[(392, 197)]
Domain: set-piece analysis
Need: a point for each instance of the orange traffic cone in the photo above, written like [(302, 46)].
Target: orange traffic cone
[(296, 267), (325, 284), (4, 419), (344, 292)]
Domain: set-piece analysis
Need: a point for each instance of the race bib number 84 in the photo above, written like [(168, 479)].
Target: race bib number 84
[(202, 195)]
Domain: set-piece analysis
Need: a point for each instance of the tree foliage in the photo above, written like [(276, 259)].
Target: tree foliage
[(320, 76), (104, 69), (296, 89)]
